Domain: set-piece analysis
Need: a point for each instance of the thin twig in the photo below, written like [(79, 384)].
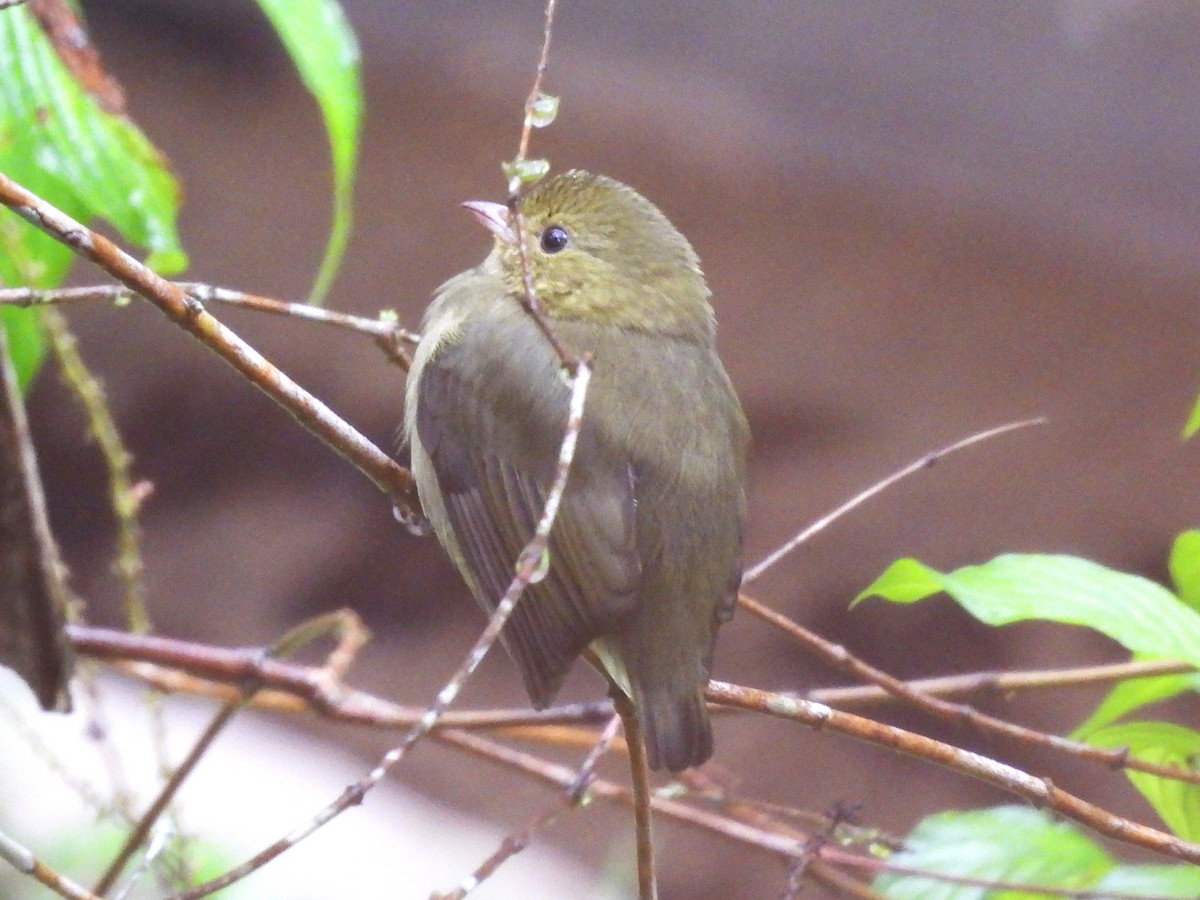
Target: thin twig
[(189, 314), (89, 641), (126, 496), (764, 815), (1039, 791), (842, 659), (159, 841), (573, 797), (351, 637), (859, 499), (23, 860), (529, 564), (538, 78), (148, 820), (395, 341), (529, 300), (639, 768), (1003, 682)]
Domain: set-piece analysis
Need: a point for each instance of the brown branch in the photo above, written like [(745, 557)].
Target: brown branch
[(386, 331), (185, 667), (23, 860), (843, 660), (1002, 682), (530, 562), (573, 797), (190, 315), (539, 76), (352, 636), (1039, 791), (640, 781)]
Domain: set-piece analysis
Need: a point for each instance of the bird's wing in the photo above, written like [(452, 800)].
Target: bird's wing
[(491, 412)]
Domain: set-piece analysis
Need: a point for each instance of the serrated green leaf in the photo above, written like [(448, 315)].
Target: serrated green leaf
[(1184, 565), (325, 52), (1134, 611), (1008, 843), (1132, 694), (1152, 881), (1176, 802)]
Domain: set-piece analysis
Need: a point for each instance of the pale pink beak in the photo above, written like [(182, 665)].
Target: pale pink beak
[(494, 217)]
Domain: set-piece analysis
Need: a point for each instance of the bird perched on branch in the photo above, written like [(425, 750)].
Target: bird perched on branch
[(645, 554)]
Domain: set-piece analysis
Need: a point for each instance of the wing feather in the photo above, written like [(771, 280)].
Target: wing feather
[(492, 421)]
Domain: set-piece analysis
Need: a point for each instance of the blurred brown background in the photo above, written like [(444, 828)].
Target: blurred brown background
[(919, 219)]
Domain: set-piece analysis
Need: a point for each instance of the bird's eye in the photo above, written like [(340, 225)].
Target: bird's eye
[(554, 238)]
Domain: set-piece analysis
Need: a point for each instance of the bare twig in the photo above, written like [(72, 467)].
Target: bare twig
[(572, 798), (640, 781), (841, 658), (190, 315), (126, 496), (1003, 682), (529, 564), (538, 78), (529, 300), (1039, 791), (350, 629), (23, 860), (766, 816), (917, 465), (396, 342)]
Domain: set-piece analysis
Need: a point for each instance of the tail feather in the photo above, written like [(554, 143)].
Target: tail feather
[(676, 728)]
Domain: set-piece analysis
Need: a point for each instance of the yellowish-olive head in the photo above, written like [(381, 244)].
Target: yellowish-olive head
[(600, 251)]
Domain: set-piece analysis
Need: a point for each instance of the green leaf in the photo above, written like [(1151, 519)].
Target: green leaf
[(1132, 694), (544, 111), (522, 173), (56, 140), (1134, 611), (24, 342), (904, 581), (1151, 880), (1184, 565), (325, 52), (1008, 843), (1193, 422), (1176, 802)]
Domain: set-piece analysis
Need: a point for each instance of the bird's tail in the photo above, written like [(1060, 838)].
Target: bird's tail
[(676, 728)]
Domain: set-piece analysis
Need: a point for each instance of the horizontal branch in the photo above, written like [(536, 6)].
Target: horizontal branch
[(385, 330), (327, 696)]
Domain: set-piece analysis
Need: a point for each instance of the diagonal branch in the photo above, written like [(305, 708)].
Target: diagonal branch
[(190, 315)]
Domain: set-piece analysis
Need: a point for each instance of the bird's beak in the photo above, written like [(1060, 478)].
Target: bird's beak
[(494, 217)]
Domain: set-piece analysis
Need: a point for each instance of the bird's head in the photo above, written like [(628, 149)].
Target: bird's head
[(599, 251)]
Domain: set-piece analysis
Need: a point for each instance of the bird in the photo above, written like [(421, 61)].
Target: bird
[(645, 556)]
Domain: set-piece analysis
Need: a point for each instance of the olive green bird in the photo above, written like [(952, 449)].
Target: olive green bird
[(645, 555)]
